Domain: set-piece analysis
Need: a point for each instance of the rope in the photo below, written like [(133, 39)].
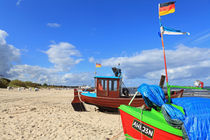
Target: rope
[(116, 136), (129, 90), (142, 108), (133, 98), (79, 97), (130, 138), (82, 106), (89, 84)]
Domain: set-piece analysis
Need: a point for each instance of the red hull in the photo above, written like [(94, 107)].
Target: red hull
[(109, 102), (158, 134)]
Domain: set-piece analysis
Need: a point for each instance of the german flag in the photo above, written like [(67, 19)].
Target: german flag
[(98, 65), (166, 8)]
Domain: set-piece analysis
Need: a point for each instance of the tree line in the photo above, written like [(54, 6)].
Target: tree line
[(4, 83)]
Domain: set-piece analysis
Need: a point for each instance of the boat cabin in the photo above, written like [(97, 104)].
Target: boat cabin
[(108, 86)]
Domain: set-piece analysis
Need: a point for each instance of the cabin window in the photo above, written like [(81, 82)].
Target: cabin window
[(100, 87), (102, 84), (113, 85), (105, 84)]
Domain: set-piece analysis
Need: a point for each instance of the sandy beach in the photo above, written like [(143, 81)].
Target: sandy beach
[(48, 114)]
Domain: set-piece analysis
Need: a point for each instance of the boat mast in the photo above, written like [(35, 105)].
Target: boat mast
[(161, 35), (172, 86), (164, 58)]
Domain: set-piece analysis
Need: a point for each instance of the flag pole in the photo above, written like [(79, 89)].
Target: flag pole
[(95, 70), (164, 58), (168, 87), (161, 35)]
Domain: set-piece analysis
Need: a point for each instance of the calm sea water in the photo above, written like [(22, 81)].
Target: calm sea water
[(187, 92)]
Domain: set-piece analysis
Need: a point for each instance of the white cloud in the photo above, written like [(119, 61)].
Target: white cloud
[(53, 25), (8, 54), (63, 55), (79, 78), (183, 62), (27, 73), (3, 35), (49, 75), (91, 59), (18, 2), (203, 37)]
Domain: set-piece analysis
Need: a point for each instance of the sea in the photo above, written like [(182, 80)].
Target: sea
[(187, 92), (196, 93)]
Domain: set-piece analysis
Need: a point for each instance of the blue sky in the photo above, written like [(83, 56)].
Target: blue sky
[(59, 41)]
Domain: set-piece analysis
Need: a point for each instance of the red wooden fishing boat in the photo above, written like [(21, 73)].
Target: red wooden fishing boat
[(109, 95)]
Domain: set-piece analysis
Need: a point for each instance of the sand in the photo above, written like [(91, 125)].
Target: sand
[(48, 114)]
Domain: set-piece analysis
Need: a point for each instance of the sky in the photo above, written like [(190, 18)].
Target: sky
[(59, 41)]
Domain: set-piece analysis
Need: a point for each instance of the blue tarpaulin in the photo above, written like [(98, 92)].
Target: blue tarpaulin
[(153, 95), (197, 116), (173, 112)]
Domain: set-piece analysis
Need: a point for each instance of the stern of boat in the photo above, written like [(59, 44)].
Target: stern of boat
[(76, 103)]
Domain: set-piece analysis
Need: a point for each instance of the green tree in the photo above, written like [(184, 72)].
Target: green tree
[(4, 83), (17, 83), (45, 85)]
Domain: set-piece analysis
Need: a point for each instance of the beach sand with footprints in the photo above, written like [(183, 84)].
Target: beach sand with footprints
[(48, 114)]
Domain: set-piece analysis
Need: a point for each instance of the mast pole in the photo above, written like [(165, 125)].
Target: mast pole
[(168, 87), (161, 35), (95, 70), (164, 58)]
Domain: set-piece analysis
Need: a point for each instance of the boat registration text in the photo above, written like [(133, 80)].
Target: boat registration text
[(144, 129)]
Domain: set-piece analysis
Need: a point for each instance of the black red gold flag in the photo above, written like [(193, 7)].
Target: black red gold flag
[(166, 8)]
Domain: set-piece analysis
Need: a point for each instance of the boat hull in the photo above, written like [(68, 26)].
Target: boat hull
[(109, 102), (136, 129), (114, 103)]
